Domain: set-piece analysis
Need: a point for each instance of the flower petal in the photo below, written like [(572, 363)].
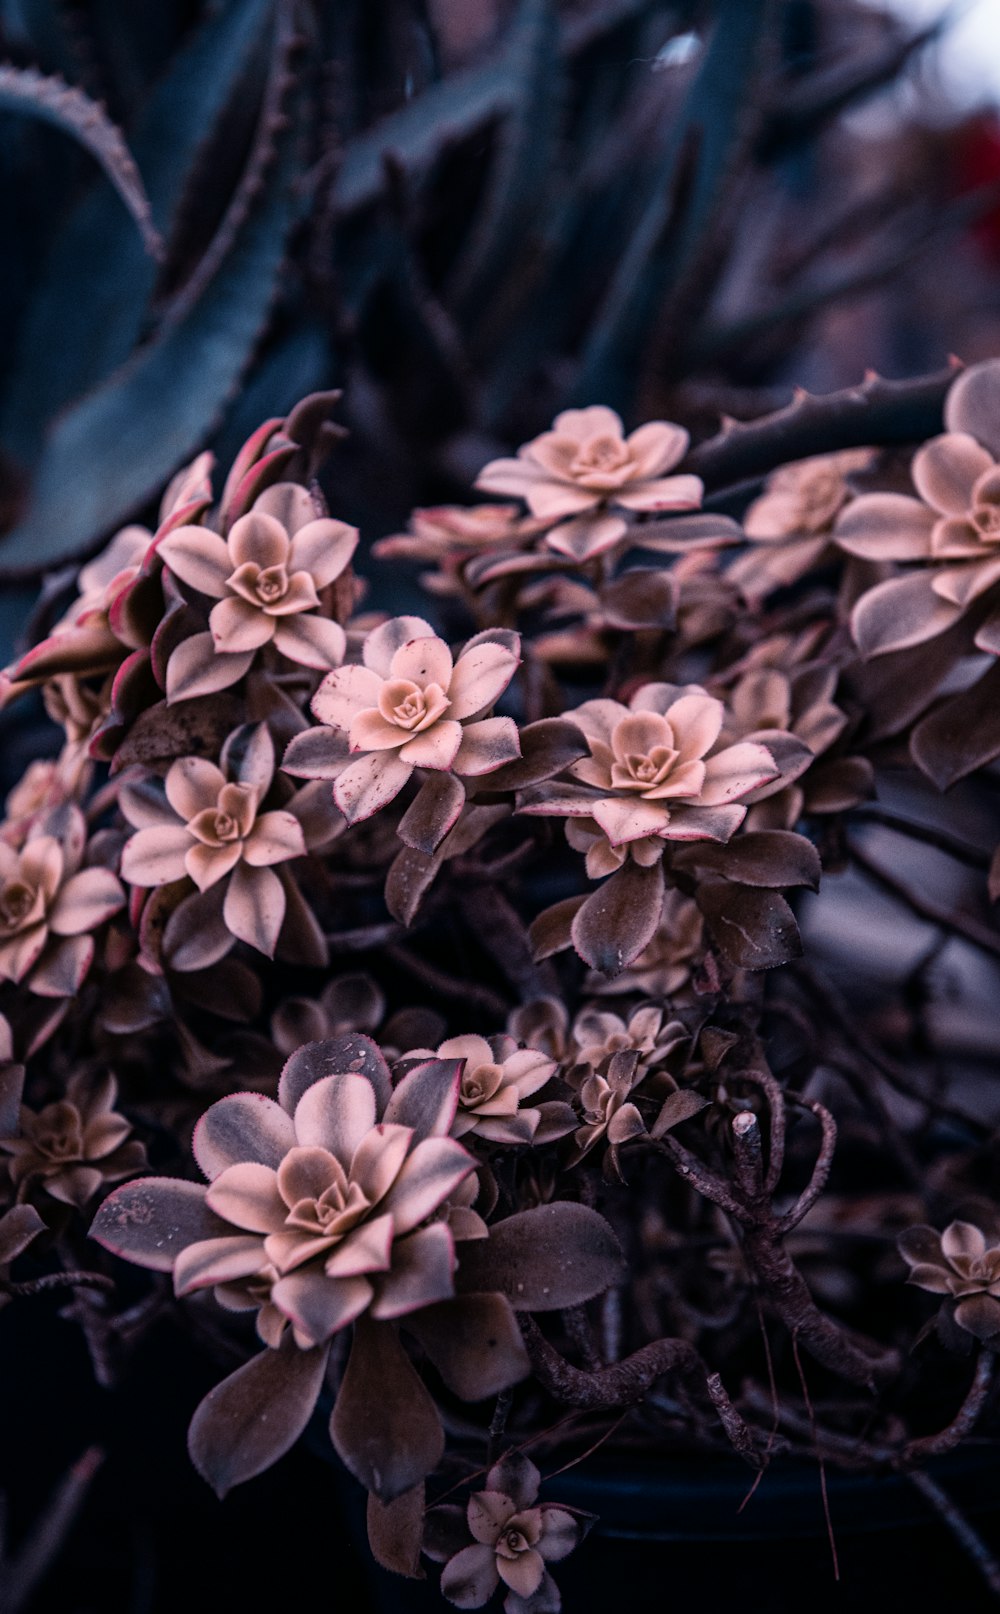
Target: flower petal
[(423, 661), (946, 469), (237, 625), (422, 1273), (197, 668), (154, 857), (275, 837), (320, 1306), (85, 901), (323, 548), (886, 526), (344, 693), (192, 785), (217, 1261), (470, 1578), (901, 612), (962, 1239), (433, 1171), (435, 748), (665, 493), (732, 773), (382, 643)]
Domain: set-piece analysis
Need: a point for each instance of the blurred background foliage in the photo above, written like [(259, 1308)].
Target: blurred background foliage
[(468, 213)]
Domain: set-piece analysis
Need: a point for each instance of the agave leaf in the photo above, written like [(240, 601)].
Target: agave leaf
[(680, 203), (452, 108), (24, 89), (92, 302), (523, 161), (117, 447)]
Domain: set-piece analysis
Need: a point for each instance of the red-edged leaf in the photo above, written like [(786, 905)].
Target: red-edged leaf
[(150, 1221)]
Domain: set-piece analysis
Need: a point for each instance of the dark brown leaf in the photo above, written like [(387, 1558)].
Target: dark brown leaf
[(680, 1106), (755, 930), (18, 1227), (384, 1425), (409, 879), (252, 1418), (543, 1259), (962, 734), (620, 918), (645, 598), (473, 1341), (767, 857), (395, 1532), (547, 747), (551, 932), (432, 812), (194, 728)]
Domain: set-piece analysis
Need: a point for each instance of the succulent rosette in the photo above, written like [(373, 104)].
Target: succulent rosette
[(51, 906), (504, 1537), (585, 472), (203, 823), (267, 576), (496, 1077), (74, 1146), (656, 772), (948, 537), (329, 1208), (410, 704), (960, 1265)]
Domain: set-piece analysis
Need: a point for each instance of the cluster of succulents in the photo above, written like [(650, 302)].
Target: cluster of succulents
[(569, 891)]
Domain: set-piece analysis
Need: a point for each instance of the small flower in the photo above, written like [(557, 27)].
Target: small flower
[(205, 823), (267, 576), (656, 772), (511, 1539), (768, 703), (574, 474), (496, 1076), (75, 1145), (49, 905), (409, 706), (958, 1263)]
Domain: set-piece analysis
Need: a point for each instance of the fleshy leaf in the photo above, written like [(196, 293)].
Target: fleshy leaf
[(620, 918), (255, 1415), (384, 1425), (544, 1259)]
